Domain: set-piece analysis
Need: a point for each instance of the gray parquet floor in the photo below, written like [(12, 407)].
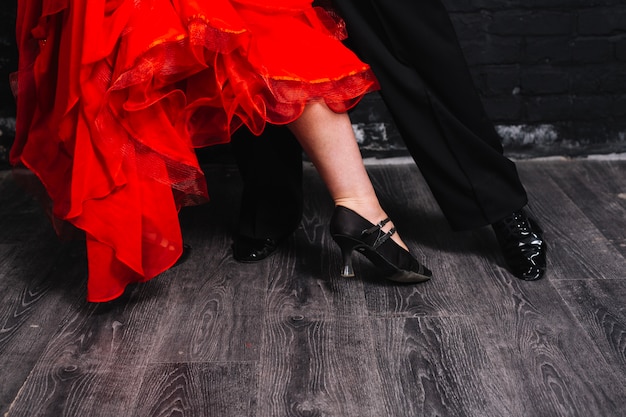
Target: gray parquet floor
[(289, 337)]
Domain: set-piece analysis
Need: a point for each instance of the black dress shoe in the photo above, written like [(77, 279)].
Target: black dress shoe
[(522, 244), (248, 250)]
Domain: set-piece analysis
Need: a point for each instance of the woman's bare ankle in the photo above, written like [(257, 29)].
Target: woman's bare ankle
[(373, 213)]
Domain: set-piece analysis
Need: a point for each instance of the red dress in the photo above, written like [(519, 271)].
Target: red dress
[(114, 95)]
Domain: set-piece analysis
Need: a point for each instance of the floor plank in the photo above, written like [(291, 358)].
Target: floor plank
[(587, 183), (290, 337), (94, 356), (576, 248), (316, 367), (198, 389), (213, 312), (548, 358), (437, 366), (601, 311), (34, 294)]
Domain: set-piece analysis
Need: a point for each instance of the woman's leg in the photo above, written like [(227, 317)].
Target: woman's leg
[(328, 139)]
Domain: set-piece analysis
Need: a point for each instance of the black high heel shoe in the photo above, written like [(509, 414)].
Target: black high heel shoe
[(353, 232)]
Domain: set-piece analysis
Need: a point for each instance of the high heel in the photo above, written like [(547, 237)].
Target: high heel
[(353, 232)]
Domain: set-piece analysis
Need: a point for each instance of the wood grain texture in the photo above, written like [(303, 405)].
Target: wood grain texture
[(576, 248), (552, 366), (437, 367), (212, 312), (198, 389), (314, 367), (598, 188), (600, 308), (214, 307), (94, 354), (289, 337), (33, 293)]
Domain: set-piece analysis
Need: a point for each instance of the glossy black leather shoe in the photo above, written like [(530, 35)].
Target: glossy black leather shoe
[(249, 250), (522, 244)]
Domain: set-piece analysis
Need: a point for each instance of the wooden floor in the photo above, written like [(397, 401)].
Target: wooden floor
[(289, 337)]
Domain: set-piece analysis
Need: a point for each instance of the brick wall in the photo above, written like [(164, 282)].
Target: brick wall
[(552, 75), (8, 63)]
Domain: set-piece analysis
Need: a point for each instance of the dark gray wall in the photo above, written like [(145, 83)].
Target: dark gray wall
[(552, 75), (8, 64), (552, 72)]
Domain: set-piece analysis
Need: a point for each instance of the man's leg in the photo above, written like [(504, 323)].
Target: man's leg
[(413, 50), (271, 206)]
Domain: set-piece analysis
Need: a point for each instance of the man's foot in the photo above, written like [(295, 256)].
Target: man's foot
[(248, 250), (522, 244)]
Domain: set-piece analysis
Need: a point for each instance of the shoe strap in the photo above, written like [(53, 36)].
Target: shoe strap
[(382, 236), (376, 227)]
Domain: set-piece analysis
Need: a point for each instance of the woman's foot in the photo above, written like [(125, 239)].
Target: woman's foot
[(352, 232)]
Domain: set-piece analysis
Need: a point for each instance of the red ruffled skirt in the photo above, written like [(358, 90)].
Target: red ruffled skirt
[(114, 95)]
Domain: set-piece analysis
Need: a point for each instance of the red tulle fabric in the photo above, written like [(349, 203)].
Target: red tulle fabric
[(114, 95)]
